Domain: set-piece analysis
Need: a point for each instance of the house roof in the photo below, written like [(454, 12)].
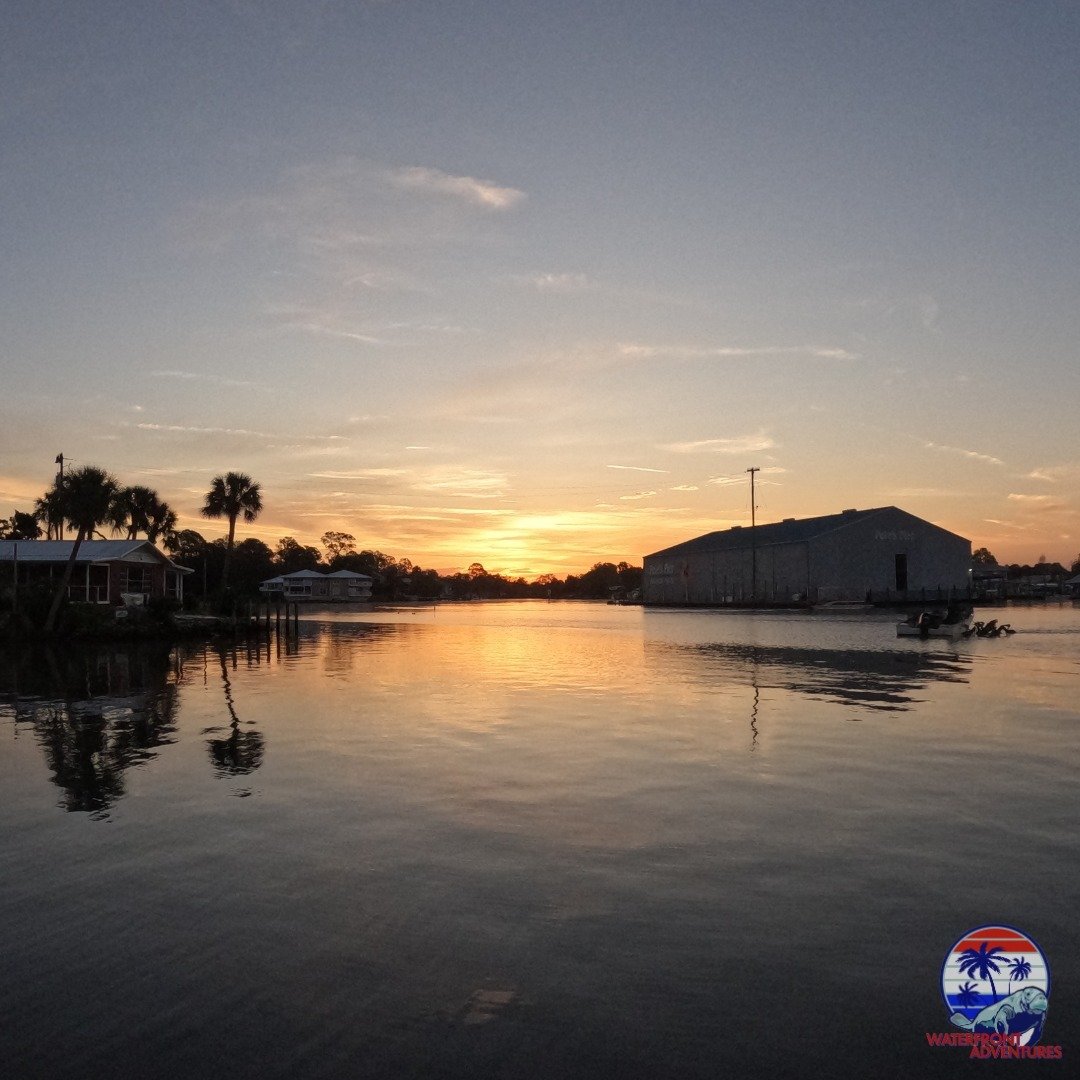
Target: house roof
[(791, 531), (316, 575), (90, 551)]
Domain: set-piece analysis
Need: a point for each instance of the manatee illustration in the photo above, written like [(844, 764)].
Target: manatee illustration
[(1012, 1015)]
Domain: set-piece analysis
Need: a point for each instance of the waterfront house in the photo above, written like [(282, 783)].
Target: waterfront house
[(883, 554), (112, 572), (311, 585)]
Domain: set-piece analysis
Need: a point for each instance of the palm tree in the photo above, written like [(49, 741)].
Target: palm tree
[(85, 497), (1020, 969), (983, 964), (231, 496), (48, 513), (966, 994), (140, 509)]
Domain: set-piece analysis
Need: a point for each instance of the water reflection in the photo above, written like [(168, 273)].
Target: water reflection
[(878, 679), (240, 752), (94, 713)]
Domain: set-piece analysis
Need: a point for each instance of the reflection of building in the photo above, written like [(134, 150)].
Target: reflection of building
[(105, 572), (311, 585), (884, 553)]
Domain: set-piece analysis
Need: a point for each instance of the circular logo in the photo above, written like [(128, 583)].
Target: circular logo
[(996, 980)]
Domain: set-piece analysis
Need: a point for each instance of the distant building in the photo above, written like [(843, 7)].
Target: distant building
[(106, 571), (884, 554), (342, 585)]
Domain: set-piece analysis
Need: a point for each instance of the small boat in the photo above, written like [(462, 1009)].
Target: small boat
[(951, 624)]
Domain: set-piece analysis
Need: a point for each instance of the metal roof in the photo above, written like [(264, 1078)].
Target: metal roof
[(350, 574), (90, 551), (793, 531)]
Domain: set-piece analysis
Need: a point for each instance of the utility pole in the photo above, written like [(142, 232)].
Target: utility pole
[(59, 488), (753, 544)]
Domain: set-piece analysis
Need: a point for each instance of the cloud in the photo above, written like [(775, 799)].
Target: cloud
[(685, 487), (635, 468), (483, 193), (559, 283), (742, 444), (637, 495), (188, 429), (724, 352), (1052, 474), (974, 455), (199, 376), (1039, 503), (464, 483)]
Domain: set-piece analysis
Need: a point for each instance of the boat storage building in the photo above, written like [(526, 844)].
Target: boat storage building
[(884, 554)]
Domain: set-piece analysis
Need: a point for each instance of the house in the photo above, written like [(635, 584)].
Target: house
[(106, 571), (342, 585), (884, 553)]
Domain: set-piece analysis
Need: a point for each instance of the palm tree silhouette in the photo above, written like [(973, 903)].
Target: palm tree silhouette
[(983, 964), (1020, 969), (140, 509), (966, 994), (230, 496), (85, 496)]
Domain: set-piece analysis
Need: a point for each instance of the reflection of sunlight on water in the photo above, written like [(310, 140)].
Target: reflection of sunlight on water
[(548, 824)]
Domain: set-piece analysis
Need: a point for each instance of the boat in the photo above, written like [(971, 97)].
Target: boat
[(950, 624)]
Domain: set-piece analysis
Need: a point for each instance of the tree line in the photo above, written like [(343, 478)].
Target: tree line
[(89, 500)]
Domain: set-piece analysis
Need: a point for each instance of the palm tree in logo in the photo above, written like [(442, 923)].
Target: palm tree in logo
[(983, 964), (966, 994), (1019, 968)]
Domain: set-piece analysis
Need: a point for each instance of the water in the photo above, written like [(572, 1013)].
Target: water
[(530, 839)]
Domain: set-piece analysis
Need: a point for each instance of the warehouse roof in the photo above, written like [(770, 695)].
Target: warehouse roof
[(788, 531)]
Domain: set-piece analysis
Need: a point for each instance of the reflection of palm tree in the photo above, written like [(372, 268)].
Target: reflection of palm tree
[(242, 751), (983, 964), (966, 994), (231, 496), (1020, 969)]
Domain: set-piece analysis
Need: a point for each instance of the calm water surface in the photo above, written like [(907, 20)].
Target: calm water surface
[(530, 839)]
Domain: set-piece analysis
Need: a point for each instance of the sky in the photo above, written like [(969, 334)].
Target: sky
[(535, 284)]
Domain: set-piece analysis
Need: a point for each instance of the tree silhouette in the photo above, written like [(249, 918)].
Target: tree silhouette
[(983, 964), (966, 994), (20, 526), (231, 496), (84, 496), (140, 510)]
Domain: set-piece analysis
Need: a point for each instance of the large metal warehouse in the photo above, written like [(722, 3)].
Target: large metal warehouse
[(882, 554)]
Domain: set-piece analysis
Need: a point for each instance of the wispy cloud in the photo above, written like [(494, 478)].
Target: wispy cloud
[(725, 352), (637, 495), (559, 283), (191, 429), (1053, 474), (973, 455), (636, 468), (685, 487), (740, 444), (483, 193), (464, 483), (202, 376)]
